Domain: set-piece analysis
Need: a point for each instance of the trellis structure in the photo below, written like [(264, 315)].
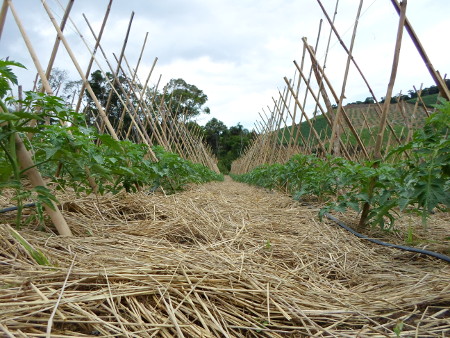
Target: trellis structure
[(356, 132), (151, 123)]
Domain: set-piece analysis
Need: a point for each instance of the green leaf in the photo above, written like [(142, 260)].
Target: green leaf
[(37, 255), (8, 117), (7, 75)]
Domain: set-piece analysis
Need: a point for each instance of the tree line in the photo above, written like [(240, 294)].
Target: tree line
[(178, 100), (412, 95)]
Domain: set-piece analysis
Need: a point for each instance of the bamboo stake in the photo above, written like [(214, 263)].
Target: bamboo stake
[(143, 135), (33, 174), (386, 106), (145, 138), (319, 105), (440, 83), (3, 13), (308, 82), (296, 93), (30, 48), (322, 147), (336, 33), (133, 79), (119, 62), (344, 113), (57, 40), (379, 142), (91, 60), (335, 131), (419, 98), (77, 66), (131, 110), (289, 112)]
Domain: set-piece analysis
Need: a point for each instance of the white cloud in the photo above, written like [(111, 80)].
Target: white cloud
[(237, 51)]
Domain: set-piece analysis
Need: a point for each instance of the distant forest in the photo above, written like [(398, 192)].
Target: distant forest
[(411, 97)]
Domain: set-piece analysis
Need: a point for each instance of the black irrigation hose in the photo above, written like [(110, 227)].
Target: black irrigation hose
[(29, 205), (338, 222), (390, 245)]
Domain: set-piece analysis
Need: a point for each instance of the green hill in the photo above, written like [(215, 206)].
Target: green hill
[(364, 117)]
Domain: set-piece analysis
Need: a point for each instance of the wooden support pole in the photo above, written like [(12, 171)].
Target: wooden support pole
[(31, 50), (119, 62), (35, 178), (91, 61), (3, 13), (58, 40), (336, 33), (133, 78), (335, 131), (322, 147), (440, 83), (77, 66), (379, 141), (386, 106)]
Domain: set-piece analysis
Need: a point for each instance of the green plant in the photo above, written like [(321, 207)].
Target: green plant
[(36, 254), (398, 328), (419, 184), (72, 155)]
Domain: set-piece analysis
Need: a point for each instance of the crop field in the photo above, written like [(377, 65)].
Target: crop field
[(115, 220)]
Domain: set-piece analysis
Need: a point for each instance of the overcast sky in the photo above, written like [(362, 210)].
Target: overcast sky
[(238, 51)]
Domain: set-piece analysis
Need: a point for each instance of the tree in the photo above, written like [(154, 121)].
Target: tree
[(226, 144), (108, 98), (185, 98), (369, 100), (214, 129)]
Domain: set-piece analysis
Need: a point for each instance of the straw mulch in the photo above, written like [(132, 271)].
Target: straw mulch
[(218, 260)]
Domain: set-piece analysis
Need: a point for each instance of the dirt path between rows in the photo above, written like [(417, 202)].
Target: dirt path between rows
[(222, 259)]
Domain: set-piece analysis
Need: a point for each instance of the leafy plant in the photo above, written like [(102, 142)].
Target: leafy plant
[(419, 184), (72, 155)]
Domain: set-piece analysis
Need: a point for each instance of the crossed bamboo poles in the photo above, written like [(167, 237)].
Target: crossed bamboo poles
[(167, 130), (279, 135)]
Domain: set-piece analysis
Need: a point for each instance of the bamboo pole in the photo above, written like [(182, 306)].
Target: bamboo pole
[(379, 142), (440, 83), (296, 93), (344, 113), (119, 62), (335, 131), (3, 13), (308, 82), (386, 106), (91, 60), (318, 104), (322, 147), (145, 138), (419, 98), (292, 117), (31, 50), (58, 40), (133, 78), (77, 66), (33, 174), (336, 33)]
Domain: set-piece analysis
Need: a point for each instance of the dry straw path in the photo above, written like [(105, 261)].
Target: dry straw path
[(219, 260)]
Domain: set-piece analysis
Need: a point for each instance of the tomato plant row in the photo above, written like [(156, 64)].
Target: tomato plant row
[(71, 154), (418, 183)]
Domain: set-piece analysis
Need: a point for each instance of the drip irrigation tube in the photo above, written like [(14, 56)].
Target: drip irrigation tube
[(29, 205), (390, 245)]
